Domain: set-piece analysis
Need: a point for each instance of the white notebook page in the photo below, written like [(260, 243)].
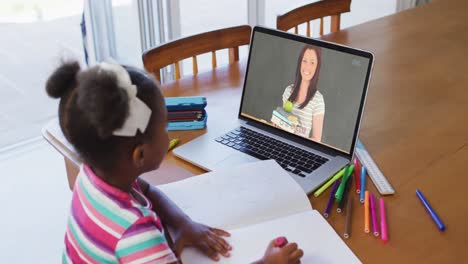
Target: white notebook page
[(313, 234), (238, 197)]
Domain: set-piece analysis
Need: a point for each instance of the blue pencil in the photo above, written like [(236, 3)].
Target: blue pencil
[(431, 211), (363, 184)]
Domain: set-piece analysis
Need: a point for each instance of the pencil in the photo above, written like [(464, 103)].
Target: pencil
[(330, 200), (366, 212), (173, 143), (375, 227), (349, 211), (363, 183), (431, 211), (345, 195), (383, 221), (329, 182), (339, 192), (357, 180)]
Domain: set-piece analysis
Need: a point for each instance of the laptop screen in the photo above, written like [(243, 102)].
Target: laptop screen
[(309, 88)]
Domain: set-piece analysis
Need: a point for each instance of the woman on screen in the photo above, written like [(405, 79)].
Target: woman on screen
[(307, 102)]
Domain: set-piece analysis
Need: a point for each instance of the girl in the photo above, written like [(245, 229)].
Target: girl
[(308, 102), (115, 118)]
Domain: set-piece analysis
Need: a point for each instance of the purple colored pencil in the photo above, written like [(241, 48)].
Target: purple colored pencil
[(375, 227), (332, 196)]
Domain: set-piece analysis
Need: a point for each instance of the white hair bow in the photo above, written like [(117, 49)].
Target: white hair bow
[(139, 113)]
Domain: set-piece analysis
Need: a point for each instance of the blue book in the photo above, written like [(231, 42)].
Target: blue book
[(283, 118)]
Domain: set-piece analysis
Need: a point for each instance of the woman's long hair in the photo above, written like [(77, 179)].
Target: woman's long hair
[(313, 83)]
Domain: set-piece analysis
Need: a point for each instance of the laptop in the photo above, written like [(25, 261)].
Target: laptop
[(301, 105)]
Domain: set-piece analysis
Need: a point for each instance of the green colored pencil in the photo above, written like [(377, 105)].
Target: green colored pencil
[(329, 182), (347, 174)]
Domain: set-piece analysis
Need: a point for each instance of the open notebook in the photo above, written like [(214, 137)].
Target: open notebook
[(256, 203)]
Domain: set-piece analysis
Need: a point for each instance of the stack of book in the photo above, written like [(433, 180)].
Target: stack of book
[(186, 113), (284, 120)]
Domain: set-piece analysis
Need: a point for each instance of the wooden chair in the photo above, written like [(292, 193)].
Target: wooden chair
[(316, 10), (175, 51)]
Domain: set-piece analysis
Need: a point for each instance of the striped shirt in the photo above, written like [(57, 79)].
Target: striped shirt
[(107, 225), (316, 106)]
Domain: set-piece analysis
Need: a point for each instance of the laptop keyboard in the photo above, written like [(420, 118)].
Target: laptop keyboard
[(291, 158)]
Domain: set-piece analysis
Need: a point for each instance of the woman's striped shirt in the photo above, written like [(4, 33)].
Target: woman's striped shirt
[(316, 106)]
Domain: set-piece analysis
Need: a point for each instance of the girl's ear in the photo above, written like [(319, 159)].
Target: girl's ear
[(138, 156)]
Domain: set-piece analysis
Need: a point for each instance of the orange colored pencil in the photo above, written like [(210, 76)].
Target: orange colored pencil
[(366, 212)]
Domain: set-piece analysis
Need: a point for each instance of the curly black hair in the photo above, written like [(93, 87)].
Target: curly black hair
[(92, 107)]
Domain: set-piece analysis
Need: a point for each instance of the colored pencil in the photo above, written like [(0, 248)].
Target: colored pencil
[(375, 227), (348, 187), (363, 183), (366, 212), (349, 211), (383, 221), (341, 187), (173, 143), (330, 200), (329, 182), (431, 211), (357, 180)]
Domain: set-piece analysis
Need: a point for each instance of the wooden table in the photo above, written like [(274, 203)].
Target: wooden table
[(415, 126)]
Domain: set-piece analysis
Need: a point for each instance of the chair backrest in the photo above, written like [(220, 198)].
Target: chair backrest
[(316, 10), (175, 51)]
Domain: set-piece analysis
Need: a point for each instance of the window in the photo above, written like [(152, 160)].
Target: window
[(35, 36), (206, 15)]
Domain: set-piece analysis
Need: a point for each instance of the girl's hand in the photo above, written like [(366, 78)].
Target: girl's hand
[(289, 254), (206, 239)]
